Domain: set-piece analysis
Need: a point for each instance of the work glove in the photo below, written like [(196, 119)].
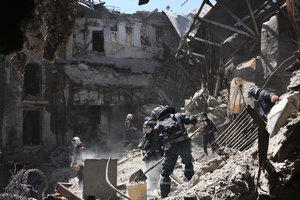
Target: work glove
[(193, 120)]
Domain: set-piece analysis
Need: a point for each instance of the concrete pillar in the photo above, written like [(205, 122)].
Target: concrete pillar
[(152, 35), (94, 182), (137, 34), (122, 33)]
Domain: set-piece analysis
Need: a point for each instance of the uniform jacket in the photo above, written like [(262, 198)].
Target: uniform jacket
[(264, 103), (209, 127)]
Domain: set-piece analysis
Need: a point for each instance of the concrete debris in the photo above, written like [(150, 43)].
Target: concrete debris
[(82, 74), (30, 183)]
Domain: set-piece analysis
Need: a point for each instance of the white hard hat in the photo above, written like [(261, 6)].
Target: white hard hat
[(129, 116), (76, 140)]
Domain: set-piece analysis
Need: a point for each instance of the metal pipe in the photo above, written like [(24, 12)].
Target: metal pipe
[(109, 183)]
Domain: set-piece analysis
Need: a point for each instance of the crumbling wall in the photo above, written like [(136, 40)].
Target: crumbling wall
[(12, 122), (125, 36)]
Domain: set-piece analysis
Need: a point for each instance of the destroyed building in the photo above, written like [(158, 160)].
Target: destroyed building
[(112, 64)]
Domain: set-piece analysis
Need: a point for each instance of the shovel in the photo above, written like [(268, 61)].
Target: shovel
[(140, 175)]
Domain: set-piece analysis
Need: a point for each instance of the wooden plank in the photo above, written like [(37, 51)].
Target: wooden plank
[(237, 19), (62, 189), (204, 41), (225, 26), (198, 55), (253, 18)]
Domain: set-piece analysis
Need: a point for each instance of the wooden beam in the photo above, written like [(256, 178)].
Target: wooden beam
[(204, 41), (198, 55), (225, 26), (197, 15), (253, 18), (237, 19)]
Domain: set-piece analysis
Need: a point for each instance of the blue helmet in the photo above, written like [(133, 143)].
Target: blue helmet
[(253, 91), (156, 112)]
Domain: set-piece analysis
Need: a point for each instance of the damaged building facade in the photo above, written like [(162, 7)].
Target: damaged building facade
[(241, 43), (112, 64)]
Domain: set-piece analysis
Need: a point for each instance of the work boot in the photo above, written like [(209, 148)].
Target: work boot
[(163, 195)]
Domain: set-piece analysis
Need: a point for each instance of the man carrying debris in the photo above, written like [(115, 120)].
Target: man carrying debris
[(129, 129), (265, 100), (209, 129), (176, 142), (77, 162), (152, 152)]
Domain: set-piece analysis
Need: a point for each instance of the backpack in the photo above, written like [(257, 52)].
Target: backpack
[(172, 127)]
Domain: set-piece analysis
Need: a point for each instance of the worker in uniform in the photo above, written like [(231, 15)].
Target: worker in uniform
[(265, 100), (208, 132), (129, 129), (77, 160), (176, 142), (152, 151)]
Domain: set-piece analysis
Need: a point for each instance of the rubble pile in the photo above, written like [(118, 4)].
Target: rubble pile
[(218, 179), (25, 184), (216, 108)]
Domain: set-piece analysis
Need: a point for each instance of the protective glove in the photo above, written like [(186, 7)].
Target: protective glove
[(193, 119)]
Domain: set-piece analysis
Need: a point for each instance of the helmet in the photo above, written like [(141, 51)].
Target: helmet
[(161, 111), (129, 116), (148, 126), (76, 140), (149, 123), (157, 112), (253, 91)]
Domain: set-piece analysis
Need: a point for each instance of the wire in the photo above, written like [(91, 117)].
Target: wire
[(283, 62)]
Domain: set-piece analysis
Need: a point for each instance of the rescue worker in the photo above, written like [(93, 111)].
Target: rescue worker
[(208, 133), (176, 142), (77, 161), (151, 144), (129, 128), (152, 152), (265, 100)]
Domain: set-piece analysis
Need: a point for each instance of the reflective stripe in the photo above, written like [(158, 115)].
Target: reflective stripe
[(165, 183)]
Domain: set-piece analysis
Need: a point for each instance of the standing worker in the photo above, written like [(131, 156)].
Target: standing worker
[(209, 129), (265, 100), (129, 129), (152, 151), (176, 142), (77, 160)]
